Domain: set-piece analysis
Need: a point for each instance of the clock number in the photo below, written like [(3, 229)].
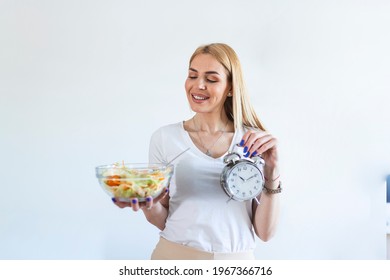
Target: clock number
[(245, 168)]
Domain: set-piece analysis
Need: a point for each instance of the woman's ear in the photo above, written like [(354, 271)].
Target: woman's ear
[(230, 94)]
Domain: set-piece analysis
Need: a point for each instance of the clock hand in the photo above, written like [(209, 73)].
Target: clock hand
[(242, 179), (250, 177)]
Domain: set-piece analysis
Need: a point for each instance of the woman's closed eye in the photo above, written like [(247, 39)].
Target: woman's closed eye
[(211, 81)]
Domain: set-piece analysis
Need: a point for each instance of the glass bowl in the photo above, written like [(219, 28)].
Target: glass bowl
[(125, 181)]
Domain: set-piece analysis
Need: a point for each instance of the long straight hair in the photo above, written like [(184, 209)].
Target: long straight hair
[(238, 108)]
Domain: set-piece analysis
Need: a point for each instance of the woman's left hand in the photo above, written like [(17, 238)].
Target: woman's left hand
[(261, 143)]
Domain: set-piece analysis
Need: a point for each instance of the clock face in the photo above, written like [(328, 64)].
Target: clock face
[(244, 181)]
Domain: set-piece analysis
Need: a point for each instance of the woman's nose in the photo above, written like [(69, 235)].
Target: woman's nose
[(201, 84)]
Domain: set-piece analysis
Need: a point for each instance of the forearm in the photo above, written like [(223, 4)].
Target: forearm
[(266, 214), (157, 215)]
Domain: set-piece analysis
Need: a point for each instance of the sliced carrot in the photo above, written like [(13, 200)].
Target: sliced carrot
[(113, 181)]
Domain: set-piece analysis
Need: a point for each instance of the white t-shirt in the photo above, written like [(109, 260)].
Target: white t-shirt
[(200, 213)]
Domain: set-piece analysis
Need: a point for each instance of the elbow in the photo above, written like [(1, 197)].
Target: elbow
[(265, 236), (157, 223)]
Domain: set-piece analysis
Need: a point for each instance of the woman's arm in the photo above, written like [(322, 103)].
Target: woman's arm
[(157, 215), (266, 214)]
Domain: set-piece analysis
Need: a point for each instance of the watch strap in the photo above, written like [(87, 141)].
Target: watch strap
[(274, 191)]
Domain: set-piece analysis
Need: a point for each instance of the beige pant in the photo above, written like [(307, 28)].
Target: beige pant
[(167, 250)]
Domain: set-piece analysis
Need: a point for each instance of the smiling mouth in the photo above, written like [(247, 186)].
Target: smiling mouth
[(199, 97)]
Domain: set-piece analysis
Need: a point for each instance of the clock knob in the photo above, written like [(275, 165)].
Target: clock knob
[(231, 157), (258, 160)]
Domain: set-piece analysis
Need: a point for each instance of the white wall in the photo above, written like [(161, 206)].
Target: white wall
[(84, 83)]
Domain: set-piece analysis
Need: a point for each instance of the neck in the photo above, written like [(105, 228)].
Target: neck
[(210, 124)]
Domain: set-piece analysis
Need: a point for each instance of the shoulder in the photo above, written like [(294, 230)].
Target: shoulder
[(244, 129), (168, 130)]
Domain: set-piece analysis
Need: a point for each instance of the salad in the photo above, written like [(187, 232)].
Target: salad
[(126, 182)]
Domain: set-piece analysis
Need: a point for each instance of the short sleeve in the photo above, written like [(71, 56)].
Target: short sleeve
[(156, 153)]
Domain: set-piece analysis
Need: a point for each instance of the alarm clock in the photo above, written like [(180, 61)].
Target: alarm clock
[(242, 179)]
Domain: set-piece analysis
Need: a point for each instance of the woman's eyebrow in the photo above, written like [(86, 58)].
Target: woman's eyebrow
[(207, 72)]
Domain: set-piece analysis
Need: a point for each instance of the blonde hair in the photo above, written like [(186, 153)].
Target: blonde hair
[(238, 108)]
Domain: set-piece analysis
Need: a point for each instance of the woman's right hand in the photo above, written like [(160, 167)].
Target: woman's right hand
[(144, 205)]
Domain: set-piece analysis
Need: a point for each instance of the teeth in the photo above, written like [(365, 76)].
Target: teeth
[(199, 97)]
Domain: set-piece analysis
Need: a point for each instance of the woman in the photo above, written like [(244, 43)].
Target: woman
[(195, 219)]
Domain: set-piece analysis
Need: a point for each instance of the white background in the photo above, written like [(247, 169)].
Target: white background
[(84, 83)]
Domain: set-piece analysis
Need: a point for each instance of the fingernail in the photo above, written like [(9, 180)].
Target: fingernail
[(166, 190), (113, 199), (134, 201), (254, 153), (247, 154), (148, 199), (242, 142), (245, 149)]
